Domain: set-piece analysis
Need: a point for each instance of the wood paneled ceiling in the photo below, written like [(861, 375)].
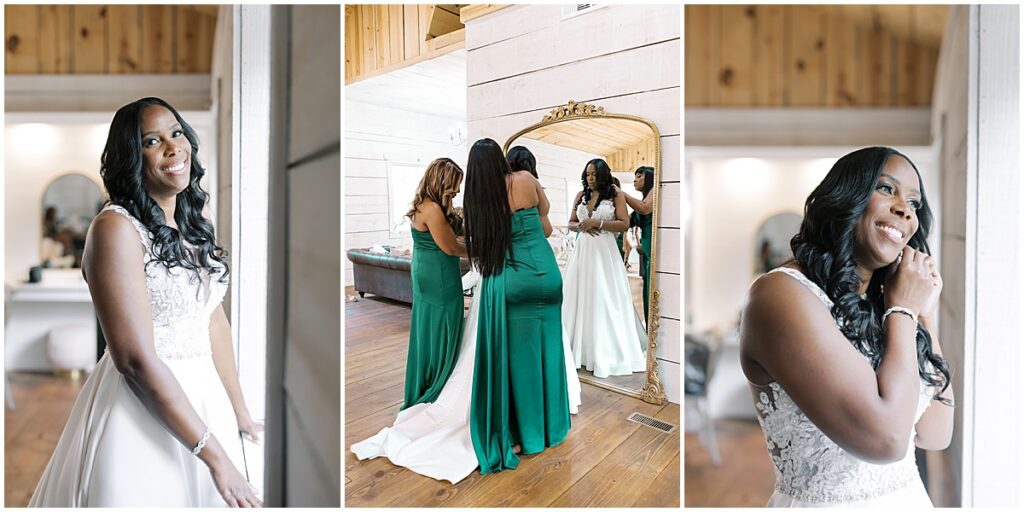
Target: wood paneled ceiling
[(597, 136), (382, 38), (109, 39), (812, 55)]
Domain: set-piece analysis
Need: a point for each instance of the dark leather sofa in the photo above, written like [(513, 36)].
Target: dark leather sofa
[(385, 275)]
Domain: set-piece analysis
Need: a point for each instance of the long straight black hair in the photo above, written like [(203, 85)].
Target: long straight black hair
[(602, 181), (121, 169), (824, 248), (488, 223)]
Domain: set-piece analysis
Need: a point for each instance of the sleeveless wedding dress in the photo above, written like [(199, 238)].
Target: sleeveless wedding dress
[(599, 320), (433, 439), (114, 452), (813, 471)]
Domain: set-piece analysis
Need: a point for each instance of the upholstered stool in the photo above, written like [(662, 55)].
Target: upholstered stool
[(72, 349)]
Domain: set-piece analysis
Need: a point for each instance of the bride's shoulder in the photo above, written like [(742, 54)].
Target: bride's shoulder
[(782, 295)]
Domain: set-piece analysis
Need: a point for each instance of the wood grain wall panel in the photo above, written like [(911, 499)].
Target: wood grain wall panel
[(806, 69), (908, 72), (193, 41), (158, 39), (55, 36), (811, 56), (21, 36), (89, 49), (878, 69), (124, 49), (770, 55), (382, 35), (353, 60), (396, 45), (411, 31), (735, 72), (842, 52), (367, 30), (698, 55), (423, 13)]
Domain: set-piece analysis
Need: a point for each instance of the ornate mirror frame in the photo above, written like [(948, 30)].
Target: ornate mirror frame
[(654, 390)]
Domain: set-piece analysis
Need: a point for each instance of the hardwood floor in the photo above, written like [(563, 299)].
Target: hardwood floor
[(31, 431), (606, 461), (744, 478)]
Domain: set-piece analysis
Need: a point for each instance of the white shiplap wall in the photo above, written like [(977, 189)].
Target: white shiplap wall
[(376, 137), (524, 60)]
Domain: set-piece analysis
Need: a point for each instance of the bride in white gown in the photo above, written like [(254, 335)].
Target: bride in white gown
[(838, 345), (433, 439), (157, 423), (599, 320)]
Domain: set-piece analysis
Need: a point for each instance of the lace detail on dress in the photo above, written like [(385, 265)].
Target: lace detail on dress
[(811, 467), (181, 305), (605, 210)]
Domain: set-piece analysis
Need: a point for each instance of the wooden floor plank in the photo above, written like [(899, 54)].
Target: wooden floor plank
[(31, 430)]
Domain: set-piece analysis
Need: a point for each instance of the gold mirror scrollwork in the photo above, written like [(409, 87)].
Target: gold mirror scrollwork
[(654, 389)]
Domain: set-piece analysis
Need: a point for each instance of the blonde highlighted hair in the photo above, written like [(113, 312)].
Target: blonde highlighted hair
[(440, 184)]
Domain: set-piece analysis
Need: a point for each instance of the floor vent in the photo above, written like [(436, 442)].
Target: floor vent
[(656, 424)]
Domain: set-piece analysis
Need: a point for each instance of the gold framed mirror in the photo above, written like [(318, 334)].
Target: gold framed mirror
[(566, 144)]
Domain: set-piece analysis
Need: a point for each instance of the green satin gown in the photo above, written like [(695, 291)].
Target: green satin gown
[(436, 329), (520, 395), (645, 258)]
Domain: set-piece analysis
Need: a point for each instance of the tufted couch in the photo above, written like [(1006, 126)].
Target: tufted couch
[(385, 275)]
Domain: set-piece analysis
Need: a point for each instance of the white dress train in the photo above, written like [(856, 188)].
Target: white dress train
[(599, 320), (113, 451), (433, 439)]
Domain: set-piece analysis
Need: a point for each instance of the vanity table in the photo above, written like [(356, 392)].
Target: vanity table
[(60, 298)]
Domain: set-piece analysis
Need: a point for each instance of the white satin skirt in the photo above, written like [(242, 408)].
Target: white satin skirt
[(115, 453)]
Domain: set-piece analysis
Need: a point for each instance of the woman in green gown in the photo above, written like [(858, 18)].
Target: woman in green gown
[(643, 211), (520, 397), (437, 302)]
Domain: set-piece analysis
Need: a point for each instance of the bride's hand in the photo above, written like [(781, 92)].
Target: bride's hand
[(250, 428), (233, 488)]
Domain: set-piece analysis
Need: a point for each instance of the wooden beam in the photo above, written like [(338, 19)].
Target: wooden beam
[(408, 62), (471, 12)]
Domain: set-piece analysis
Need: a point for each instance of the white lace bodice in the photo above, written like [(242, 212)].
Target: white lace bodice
[(811, 467), (181, 305), (605, 211)]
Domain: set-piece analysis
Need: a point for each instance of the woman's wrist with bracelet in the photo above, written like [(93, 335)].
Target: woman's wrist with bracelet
[(899, 309)]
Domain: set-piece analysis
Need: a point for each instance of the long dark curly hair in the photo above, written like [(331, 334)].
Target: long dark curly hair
[(122, 173), (824, 248), (603, 181)]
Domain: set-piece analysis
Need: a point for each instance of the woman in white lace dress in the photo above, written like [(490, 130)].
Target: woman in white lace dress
[(158, 421), (837, 345), (599, 320)]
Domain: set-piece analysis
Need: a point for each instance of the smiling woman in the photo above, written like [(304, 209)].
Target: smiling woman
[(836, 345), (160, 401)]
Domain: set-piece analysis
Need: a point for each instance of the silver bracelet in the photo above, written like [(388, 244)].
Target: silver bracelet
[(899, 309), (202, 442), (601, 226)]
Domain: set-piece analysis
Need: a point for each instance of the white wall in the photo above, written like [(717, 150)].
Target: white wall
[(39, 149), (525, 60), (377, 138)]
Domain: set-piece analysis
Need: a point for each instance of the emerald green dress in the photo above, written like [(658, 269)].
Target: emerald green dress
[(645, 258), (436, 329), (520, 394)]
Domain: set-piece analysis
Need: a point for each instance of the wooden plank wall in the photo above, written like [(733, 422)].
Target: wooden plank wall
[(382, 37), (811, 56), (525, 60), (628, 159), (108, 39)]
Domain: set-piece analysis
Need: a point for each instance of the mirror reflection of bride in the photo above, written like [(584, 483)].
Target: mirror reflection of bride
[(599, 320)]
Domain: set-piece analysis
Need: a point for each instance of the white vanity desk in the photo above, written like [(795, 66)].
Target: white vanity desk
[(60, 298)]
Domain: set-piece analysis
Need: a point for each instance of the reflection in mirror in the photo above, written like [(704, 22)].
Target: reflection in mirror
[(69, 205), (599, 174), (773, 238)]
